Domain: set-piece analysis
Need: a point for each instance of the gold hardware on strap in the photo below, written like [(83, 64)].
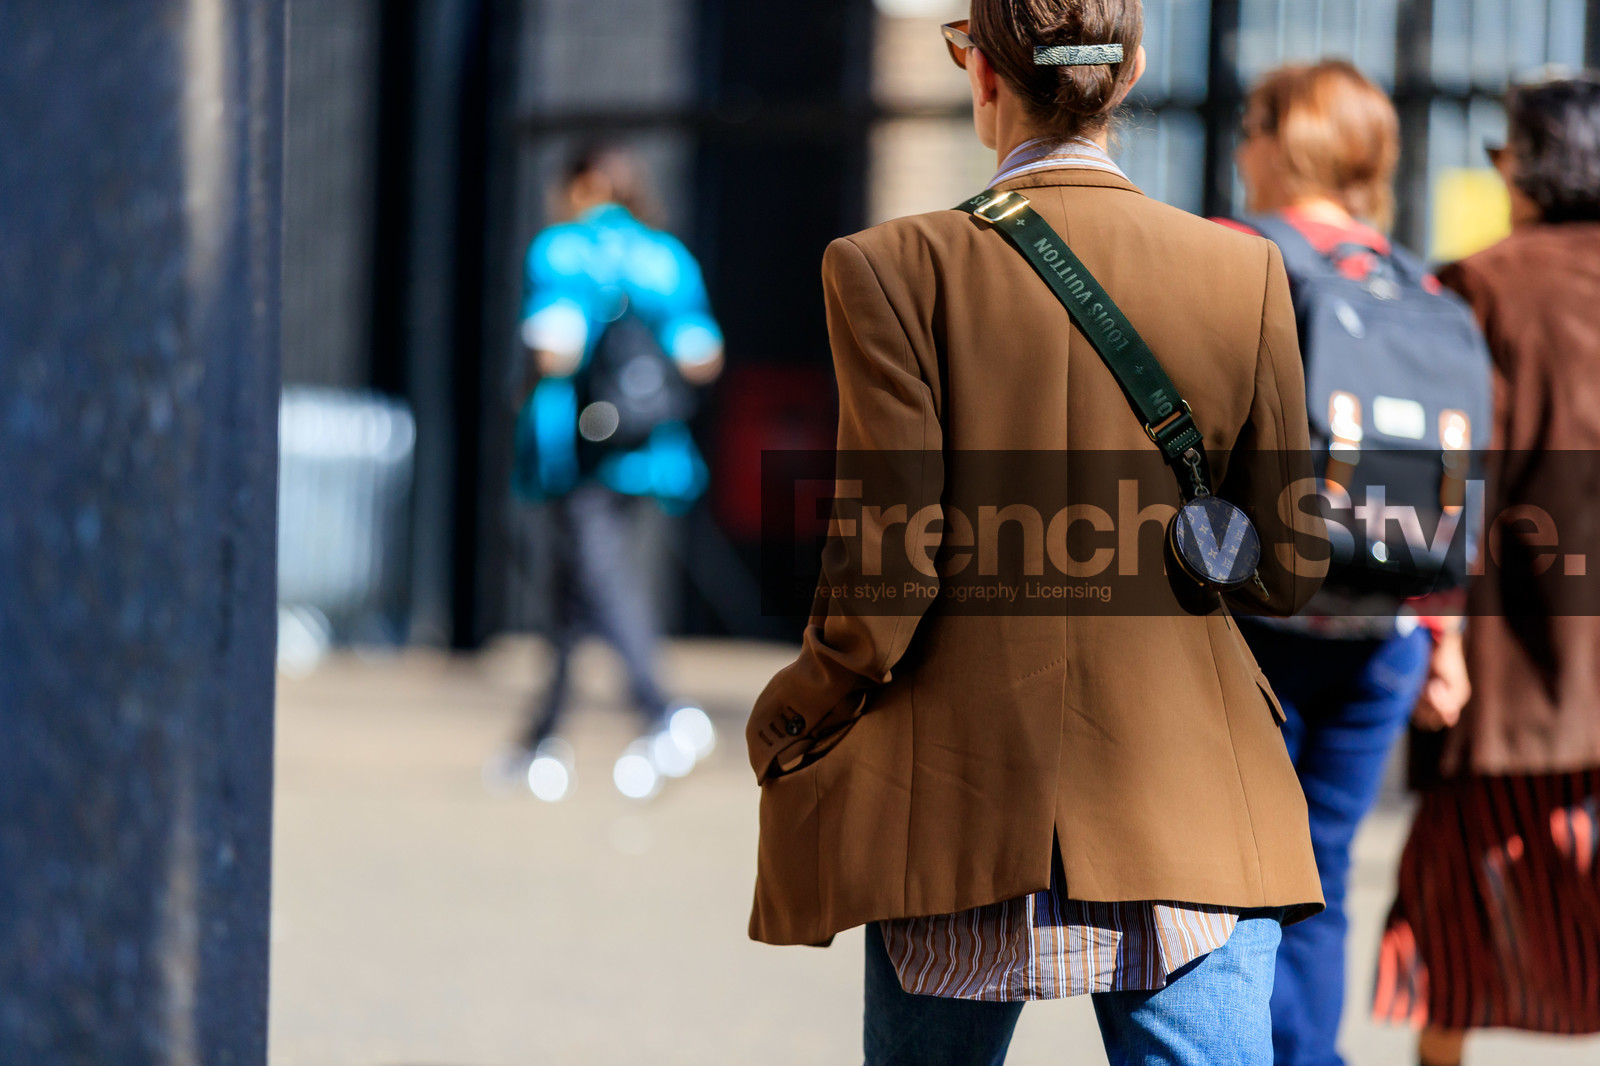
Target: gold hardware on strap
[(1015, 202)]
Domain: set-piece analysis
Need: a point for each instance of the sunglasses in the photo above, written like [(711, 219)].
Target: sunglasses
[(956, 39)]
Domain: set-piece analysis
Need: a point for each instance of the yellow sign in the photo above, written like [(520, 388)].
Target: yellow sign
[(1471, 211)]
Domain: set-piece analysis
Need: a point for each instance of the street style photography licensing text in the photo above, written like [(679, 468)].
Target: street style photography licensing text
[(1056, 532)]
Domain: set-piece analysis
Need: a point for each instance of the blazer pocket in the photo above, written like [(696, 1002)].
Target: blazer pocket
[(820, 748), (1272, 697)]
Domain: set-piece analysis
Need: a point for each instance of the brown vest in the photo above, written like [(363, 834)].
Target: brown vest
[(1533, 641)]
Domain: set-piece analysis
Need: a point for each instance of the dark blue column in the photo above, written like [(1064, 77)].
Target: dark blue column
[(447, 281), (139, 251), (1224, 95), (789, 95), (1414, 94), (1591, 36)]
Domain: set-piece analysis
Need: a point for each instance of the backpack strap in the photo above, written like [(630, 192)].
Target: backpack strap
[(1166, 416), (1300, 256), (1409, 266)]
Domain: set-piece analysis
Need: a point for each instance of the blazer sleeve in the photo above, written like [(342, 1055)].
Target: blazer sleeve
[(1269, 472), (889, 426)]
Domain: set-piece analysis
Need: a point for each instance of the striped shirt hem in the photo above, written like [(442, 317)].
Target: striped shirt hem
[(1044, 946)]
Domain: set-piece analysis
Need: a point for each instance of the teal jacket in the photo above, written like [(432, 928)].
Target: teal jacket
[(580, 276)]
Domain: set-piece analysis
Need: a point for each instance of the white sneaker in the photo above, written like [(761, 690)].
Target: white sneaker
[(692, 729), (635, 773), (670, 755), (552, 773)]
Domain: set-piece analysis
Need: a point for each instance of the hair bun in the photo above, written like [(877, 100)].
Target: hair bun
[(1085, 91), (1062, 101)]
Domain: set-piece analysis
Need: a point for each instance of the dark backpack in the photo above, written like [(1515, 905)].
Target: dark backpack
[(628, 389), (1399, 394)]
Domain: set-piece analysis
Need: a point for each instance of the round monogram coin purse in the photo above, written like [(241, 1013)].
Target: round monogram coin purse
[(1215, 543)]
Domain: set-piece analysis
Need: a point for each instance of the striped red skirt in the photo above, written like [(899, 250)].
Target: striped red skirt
[(1496, 923)]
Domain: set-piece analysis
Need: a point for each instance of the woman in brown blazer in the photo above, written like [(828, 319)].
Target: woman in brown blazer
[(1497, 920), (1033, 804)]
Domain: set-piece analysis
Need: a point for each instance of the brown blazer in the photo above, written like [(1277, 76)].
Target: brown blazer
[(1148, 747), (1533, 641)]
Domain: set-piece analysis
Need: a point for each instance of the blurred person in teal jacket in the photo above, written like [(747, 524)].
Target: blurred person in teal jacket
[(603, 275)]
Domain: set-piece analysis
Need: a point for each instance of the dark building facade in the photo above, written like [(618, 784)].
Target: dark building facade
[(424, 136)]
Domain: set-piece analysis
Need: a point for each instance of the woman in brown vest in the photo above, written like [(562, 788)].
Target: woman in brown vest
[(1497, 921), (1084, 797)]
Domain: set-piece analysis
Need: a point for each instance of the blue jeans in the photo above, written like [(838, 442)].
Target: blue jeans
[(1213, 1012), (1347, 701)]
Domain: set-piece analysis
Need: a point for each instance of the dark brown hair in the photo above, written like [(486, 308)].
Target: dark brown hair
[(622, 170), (1555, 138), (1337, 134), (1063, 102)]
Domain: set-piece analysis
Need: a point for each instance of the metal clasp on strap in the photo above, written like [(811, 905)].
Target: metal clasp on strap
[(1197, 474), (1013, 202), (1155, 431)]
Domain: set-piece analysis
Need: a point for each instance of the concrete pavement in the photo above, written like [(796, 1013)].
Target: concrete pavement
[(421, 919)]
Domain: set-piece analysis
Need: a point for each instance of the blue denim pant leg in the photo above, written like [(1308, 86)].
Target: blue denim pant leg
[(1213, 1012), (902, 1029), (1346, 701)]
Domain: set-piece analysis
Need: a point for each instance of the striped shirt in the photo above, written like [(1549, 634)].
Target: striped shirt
[(1030, 157), (1046, 946)]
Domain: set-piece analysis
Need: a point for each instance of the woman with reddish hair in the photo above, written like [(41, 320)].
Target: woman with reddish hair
[(1318, 154)]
